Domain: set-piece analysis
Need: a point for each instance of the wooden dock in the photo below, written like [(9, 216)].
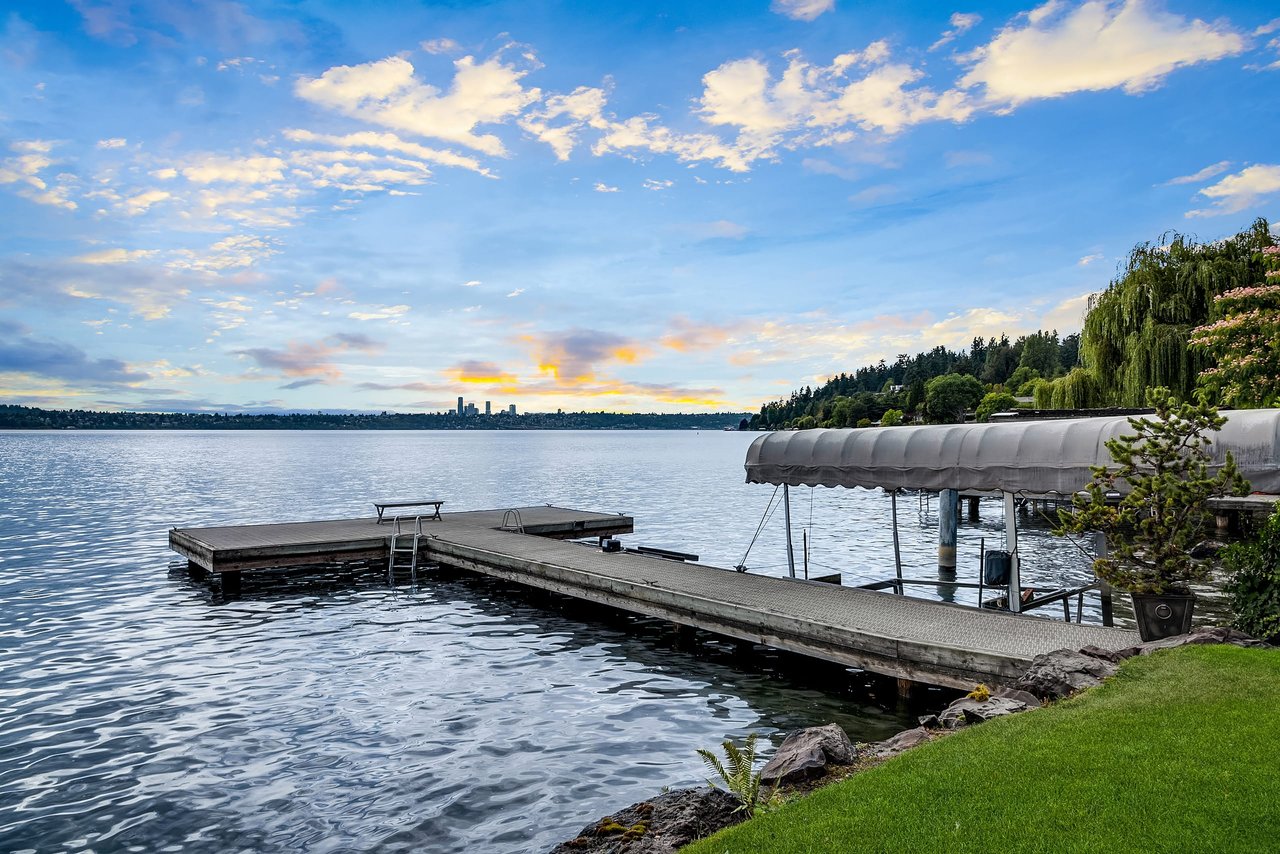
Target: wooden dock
[(914, 639)]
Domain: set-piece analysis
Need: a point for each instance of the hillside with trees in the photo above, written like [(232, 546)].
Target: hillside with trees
[(1180, 314)]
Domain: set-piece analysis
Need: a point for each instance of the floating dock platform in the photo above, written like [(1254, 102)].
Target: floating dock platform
[(914, 639)]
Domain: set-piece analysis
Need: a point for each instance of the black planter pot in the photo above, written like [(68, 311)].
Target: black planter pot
[(1163, 615)]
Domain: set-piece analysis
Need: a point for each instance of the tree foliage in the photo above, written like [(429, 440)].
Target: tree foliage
[(1137, 332), (1164, 466), (1245, 341), (993, 402), (947, 398), (1254, 582)]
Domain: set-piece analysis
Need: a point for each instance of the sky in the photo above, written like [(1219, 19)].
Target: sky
[(643, 206)]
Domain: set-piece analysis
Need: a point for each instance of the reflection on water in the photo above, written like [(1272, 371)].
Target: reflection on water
[(140, 709)]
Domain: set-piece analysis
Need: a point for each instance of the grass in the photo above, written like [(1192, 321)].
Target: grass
[(1180, 751)]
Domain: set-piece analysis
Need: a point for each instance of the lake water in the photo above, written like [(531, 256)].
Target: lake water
[(139, 710)]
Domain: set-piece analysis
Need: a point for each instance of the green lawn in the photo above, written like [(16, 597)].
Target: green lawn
[(1179, 752)]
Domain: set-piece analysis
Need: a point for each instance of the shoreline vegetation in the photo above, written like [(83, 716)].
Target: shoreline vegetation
[(1173, 752), (13, 417)]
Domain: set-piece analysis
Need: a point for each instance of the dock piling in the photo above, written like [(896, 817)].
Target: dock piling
[(948, 511)]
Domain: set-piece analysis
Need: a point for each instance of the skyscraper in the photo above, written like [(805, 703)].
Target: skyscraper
[(487, 408), (461, 408)]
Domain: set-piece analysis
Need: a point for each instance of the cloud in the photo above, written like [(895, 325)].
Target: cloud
[(1240, 191), (440, 46), (1056, 50), (1089, 259), (601, 187), (387, 93), (213, 168), (22, 354), (658, 184), (517, 292), (479, 373), (297, 384), (802, 10), (389, 142), (1203, 175), (686, 336), (115, 256), (33, 158), (961, 23), (574, 356), (721, 228), (471, 284), (818, 166), (115, 142), (311, 359), (141, 203), (874, 194), (380, 312)]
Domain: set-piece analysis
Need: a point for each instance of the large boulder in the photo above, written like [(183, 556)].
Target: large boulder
[(967, 710), (806, 754), (1205, 635), (1063, 672), (660, 825), (904, 740)]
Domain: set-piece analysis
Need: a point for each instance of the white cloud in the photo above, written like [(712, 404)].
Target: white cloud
[(389, 142), (1089, 259), (115, 142), (1055, 50), (471, 284), (214, 169), (25, 170), (658, 184), (387, 93), (115, 256), (1203, 175), (140, 203), (517, 292), (802, 10), (380, 312), (601, 187), (961, 23), (1240, 191)]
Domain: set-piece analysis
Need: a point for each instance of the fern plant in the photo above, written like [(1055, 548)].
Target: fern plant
[(737, 772)]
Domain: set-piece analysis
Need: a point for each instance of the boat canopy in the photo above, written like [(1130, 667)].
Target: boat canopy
[(1028, 457)]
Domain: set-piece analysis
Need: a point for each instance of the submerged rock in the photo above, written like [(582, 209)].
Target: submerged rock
[(806, 754), (660, 825), (1063, 672)]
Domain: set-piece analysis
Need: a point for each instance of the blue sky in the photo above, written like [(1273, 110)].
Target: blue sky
[(592, 205)]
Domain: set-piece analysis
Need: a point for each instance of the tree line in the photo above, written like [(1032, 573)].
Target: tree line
[(1201, 319)]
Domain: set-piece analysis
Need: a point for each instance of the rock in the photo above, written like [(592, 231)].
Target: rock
[(1206, 635), (967, 710), (1027, 697), (929, 721), (806, 754), (904, 740), (1207, 548), (660, 825), (1063, 672), (1115, 656)]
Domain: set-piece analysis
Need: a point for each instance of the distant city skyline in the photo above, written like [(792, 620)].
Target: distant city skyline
[(653, 207)]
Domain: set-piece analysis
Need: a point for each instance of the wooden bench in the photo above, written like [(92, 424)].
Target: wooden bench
[(381, 506)]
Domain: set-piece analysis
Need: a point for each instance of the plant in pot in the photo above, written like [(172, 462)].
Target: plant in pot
[(1162, 473)]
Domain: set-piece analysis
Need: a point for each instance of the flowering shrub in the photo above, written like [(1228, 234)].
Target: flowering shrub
[(1245, 342)]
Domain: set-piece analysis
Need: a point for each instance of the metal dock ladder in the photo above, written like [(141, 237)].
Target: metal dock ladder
[(397, 548)]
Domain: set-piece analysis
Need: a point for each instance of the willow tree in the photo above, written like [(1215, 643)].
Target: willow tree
[(1137, 333)]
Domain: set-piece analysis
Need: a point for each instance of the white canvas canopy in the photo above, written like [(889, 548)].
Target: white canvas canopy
[(1028, 457)]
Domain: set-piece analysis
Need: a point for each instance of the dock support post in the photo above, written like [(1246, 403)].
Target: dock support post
[(904, 689), (973, 509), (1100, 549), (786, 512), (948, 510), (1011, 545), (230, 583)]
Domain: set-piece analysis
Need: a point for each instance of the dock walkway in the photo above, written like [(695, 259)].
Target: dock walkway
[(900, 636)]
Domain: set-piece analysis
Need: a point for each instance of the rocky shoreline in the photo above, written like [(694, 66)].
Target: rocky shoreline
[(814, 757)]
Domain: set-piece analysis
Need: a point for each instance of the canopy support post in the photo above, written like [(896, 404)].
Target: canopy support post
[(948, 511), (786, 510), (897, 551), (1011, 545), (1100, 549)]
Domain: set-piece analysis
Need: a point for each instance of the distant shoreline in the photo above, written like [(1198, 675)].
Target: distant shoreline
[(14, 417)]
